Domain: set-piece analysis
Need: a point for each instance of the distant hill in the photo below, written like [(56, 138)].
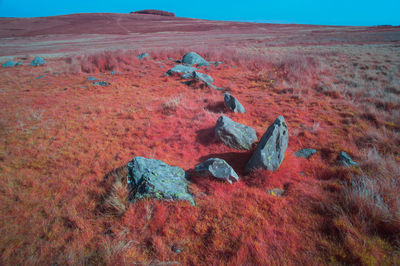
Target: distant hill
[(155, 12)]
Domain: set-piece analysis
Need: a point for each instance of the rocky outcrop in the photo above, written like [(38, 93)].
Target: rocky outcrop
[(193, 58), (38, 61), (151, 178), (154, 12), (235, 135), (219, 169), (305, 153), (180, 69), (270, 151), (233, 104)]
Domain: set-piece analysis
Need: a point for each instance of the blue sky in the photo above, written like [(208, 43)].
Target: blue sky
[(328, 12)]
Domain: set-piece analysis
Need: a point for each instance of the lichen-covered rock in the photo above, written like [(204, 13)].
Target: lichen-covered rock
[(180, 69), (345, 159), (235, 135), (233, 104), (143, 56), (305, 153), (270, 151), (153, 178), (199, 76), (8, 64), (219, 169), (193, 58), (38, 61)]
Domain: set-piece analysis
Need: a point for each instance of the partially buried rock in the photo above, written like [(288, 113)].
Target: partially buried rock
[(180, 69), (346, 160), (233, 104), (235, 135), (219, 169), (143, 56), (8, 64), (276, 192), (305, 153), (153, 178), (199, 76), (270, 151), (38, 61), (101, 83), (91, 78), (193, 58)]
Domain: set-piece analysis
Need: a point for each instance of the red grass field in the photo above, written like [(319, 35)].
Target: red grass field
[(64, 142)]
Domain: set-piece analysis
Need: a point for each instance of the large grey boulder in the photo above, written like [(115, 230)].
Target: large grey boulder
[(143, 56), (155, 179), (193, 58), (180, 69), (270, 151), (38, 61), (233, 104), (235, 135), (346, 160), (199, 76), (218, 168)]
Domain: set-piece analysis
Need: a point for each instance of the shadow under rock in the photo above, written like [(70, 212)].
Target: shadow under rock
[(217, 107), (206, 136)]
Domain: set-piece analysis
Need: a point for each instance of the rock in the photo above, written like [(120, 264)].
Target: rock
[(143, 56), (18, 64), (218, 168), (181, 69), (8, 64), (276, 192), (153, 178), (270, 151), (305, 153), (233, 104), (193, 58), (101, 83), (91, 78), (218, 63), (38, 61), (199, 76), (235, 135), (345, 159)]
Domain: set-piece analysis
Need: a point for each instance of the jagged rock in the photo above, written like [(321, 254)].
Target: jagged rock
[(199, 76), (270, 151), (193, 58), (345, 159), (233, 104), (181, 69), (218, 168), (276, 192), (235, 135), (143, 55), (153, 178), (38, 61), (8, 64), (305, 153), (101, 83)]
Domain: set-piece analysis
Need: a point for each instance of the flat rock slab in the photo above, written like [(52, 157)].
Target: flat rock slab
[(180, 69), (193, 58), (233, 104), (155, 179), (270, 151), (235, 135), (219, 169), (305, 153)]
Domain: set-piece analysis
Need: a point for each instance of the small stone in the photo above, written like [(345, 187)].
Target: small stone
[(305, 153), (346, 160), (199, 76), (276, 192), (38, 61), (233, 104), (91, 78), (101, 83), (181, 69), (219, 169), (143, 56)]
